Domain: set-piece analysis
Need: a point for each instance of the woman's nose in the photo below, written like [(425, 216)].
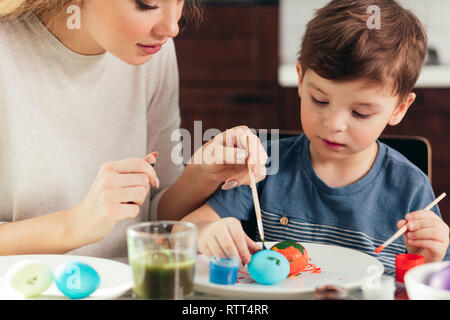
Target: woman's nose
[(167, 26)]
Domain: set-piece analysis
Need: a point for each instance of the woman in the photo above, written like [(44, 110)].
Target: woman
[(84, 96)]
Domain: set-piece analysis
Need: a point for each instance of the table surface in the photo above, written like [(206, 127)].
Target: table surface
[(400, 291), (400, 294)]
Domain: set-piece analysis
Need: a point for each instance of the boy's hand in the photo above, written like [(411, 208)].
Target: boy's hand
[(226, 238), (426, 234)]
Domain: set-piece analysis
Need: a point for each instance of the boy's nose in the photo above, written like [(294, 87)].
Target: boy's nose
[(335, 121)]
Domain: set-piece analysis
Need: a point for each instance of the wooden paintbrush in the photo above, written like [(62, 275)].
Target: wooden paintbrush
[(255, 200), (403, 229)]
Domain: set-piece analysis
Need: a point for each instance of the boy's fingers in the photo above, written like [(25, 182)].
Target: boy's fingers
[(207, 252), (421, 214), (252, 246), (431, 245), (204, 249), (433, 234), (401, 223), (215, 249), (238, 236), (227, 244), (428, 222)]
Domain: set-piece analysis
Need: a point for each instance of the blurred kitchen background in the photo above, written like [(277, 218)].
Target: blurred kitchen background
[(238, 67)]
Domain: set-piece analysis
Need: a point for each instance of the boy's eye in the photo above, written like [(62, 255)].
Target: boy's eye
[(360, 115), (144, 7), (320, 103)]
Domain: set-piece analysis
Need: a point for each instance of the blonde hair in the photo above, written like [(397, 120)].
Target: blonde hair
[(47, 8), (17, 8)]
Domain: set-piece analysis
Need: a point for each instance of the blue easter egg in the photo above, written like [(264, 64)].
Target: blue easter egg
[(268, 267), (76, 280)]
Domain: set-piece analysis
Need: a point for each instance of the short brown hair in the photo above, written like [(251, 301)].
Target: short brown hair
[(339, 45)]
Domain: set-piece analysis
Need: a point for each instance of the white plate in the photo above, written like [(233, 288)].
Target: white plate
[(339, 266), (115, 277)]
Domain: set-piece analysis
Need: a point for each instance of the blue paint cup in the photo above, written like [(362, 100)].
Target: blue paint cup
[(223, 270)]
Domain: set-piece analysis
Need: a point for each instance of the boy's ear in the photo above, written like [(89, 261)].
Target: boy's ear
[(300, 78), (401, 109)]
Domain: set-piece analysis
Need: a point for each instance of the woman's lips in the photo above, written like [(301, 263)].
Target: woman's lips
[(150, 49), (331, 144)]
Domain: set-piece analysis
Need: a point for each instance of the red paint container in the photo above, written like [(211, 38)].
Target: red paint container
[(404, 262)]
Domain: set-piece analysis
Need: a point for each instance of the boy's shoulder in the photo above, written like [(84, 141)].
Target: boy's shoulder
[(286, 151), (401, 169), (285, 146)]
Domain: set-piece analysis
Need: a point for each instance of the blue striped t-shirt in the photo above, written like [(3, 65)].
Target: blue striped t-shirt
[(297, 205)]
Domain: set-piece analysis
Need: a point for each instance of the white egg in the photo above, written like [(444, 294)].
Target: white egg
[(29, 277)]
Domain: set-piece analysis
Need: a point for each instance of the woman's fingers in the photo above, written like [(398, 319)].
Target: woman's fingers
[(135, 195), (128, 211), (131, 180), (151, 157), (240, 143), (216, 153), (133, 165)]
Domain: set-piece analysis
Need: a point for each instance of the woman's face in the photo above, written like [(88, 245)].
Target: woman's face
[(132, 30)]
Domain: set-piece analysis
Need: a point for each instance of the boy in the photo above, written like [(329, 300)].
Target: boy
[(337, 184)]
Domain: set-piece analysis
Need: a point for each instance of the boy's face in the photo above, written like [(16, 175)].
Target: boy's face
[(345, 118)]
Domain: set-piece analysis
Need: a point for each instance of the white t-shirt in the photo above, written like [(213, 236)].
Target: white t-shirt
[(62, 115)]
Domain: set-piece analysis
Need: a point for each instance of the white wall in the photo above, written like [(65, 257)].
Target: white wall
[(295, 14)]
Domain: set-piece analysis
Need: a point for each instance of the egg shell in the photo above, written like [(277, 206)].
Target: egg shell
[(29, 277), (268, 267), (441, 279), (76, 279), (295, 253)]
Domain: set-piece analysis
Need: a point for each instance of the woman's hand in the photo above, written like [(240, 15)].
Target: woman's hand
[(226, 238), (118, 191), (225, 158), (427, 235)]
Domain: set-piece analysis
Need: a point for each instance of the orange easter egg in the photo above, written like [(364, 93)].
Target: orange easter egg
[(295, 253)]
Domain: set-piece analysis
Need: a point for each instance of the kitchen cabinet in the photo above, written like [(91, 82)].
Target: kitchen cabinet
[(228, 66)]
